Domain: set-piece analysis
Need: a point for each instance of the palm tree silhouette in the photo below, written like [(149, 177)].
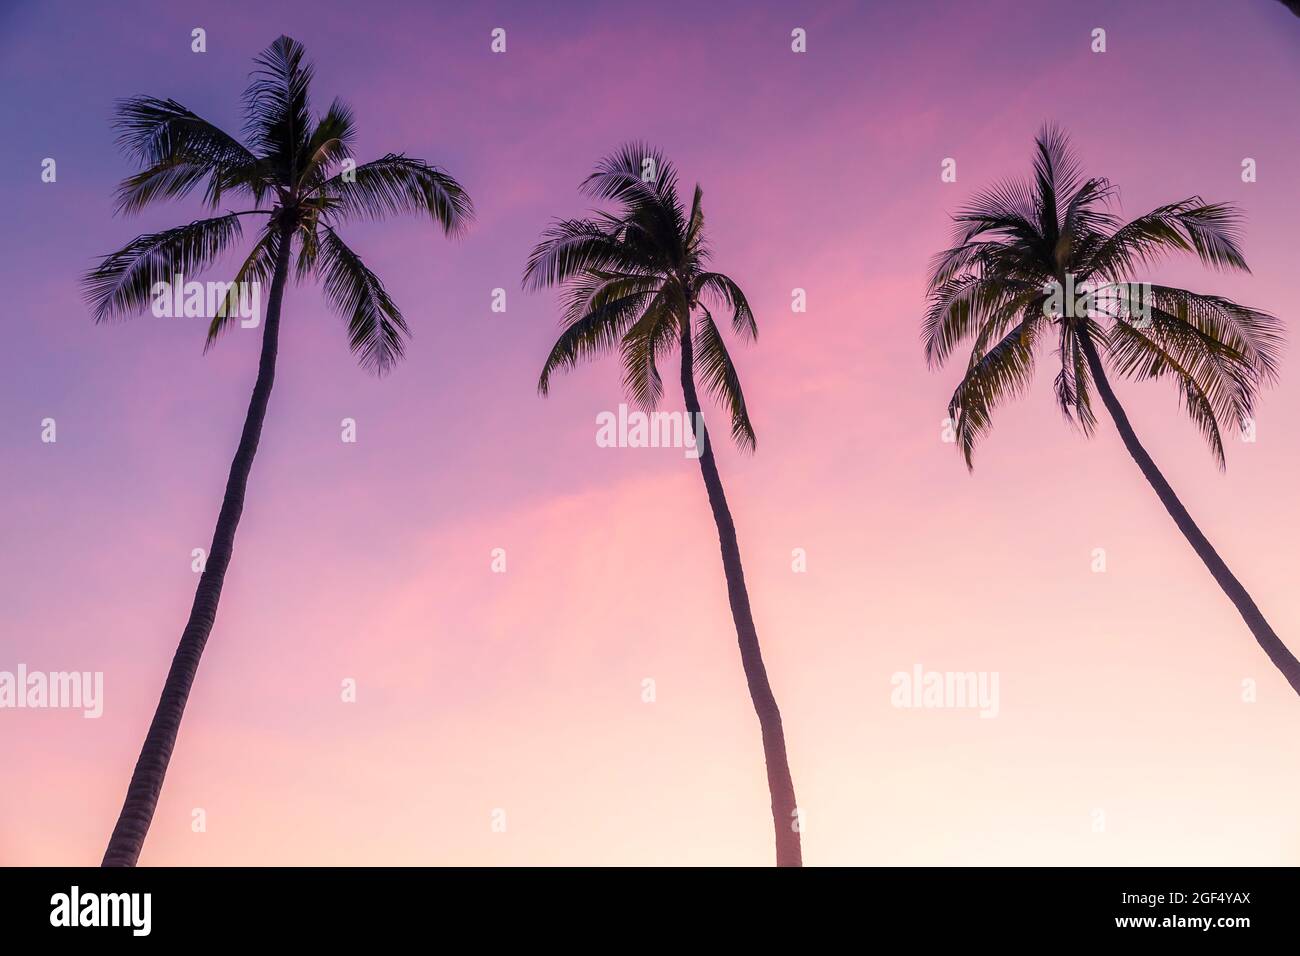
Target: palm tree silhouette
[(1020, 247), (637, 279), (297, 173)]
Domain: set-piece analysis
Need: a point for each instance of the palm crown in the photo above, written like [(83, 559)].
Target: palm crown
[(1017, 242), (293, 172), (635, 277)]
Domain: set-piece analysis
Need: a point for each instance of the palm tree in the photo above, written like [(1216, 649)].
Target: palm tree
[(1020, 247), (297, 175), (638, 279)]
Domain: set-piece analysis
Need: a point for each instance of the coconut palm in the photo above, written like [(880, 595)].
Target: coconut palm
[(637, 279), (297, 176), (1018, 250)]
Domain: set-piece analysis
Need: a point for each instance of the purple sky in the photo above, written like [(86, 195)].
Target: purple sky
[(521, 691)]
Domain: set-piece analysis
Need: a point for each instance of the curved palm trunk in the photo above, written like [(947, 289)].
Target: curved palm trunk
[(779, 782), (147, 779), (1277, 652)]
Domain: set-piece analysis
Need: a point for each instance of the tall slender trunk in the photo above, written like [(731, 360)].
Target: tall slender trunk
[(147, 779), (785, 818), (1277, 652)]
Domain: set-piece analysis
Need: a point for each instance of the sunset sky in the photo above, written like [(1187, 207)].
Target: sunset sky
[(1120, 692)]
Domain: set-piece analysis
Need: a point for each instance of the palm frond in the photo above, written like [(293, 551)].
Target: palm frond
[(644, 183), (329, 143), (724, 290), (1057, 177), (572, 247), (644, 343), (396, 184), (1258, 336), (1204, 391), (1189, 225), (376, 329), (720, 378), (123, 281), (277, 107), (178, 150), (696, 243), (1169, 345), (1073, 384), (308, 235), (584, 294), (594, 334), (968, 305), (153, 131), (1086, 214), (173, 179), (1006, 211), (621, 177), (1004, 371), (258, 267)]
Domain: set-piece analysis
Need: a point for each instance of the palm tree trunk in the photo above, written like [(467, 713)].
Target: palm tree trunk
[(147, 779), (1277, 652), (781, 786)]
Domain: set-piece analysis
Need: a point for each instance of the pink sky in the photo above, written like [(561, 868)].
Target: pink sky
[(1119, 692)]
